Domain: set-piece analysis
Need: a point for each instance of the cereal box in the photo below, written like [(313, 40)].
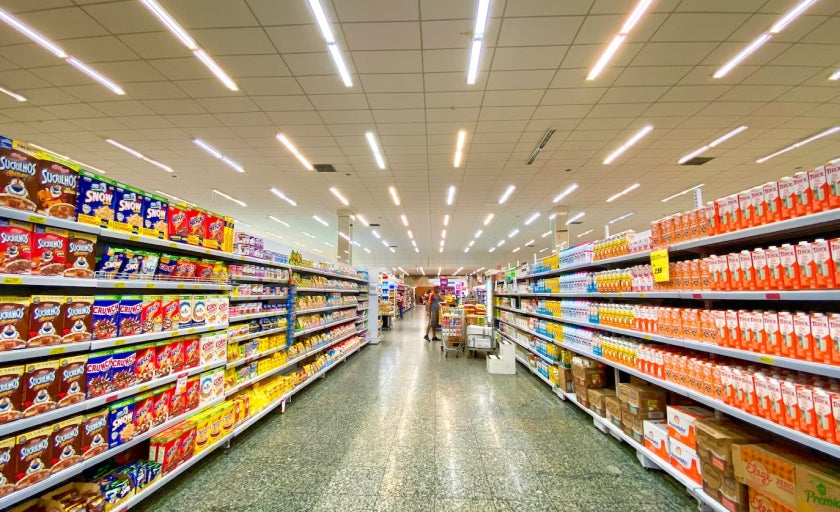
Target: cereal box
[(145, 362), (163, 359), (221, 343), (45, 320), (58, 184), (66, 444), (214, 229), (151, 316), (98, 373), (81, 255), (131, 309), (32, 457), (144, 412), (176, 355), (94, 434), (120, 422), (191, 393), (123, 361), (207, 348), (7, 467), (192, 352), (97, 201), (15, 247), (72, 384), (14, 322), (18, 177), (49, 251), (163, 397), (11, 393), (170, 313), (165, 448), (187, 440), (185, 316), (155, 211), (108, 265), (178, 227), (178, 401), (205, 388), (106, 314), (196, 226), (223, 306), (128, 211), (40, 387), (199, 311), (166, 266)]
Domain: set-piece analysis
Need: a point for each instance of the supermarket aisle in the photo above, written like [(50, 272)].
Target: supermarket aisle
[(398, 428)]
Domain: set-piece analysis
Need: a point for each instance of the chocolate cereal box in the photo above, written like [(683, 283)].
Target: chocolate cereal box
[(18, 176), (66, 444), (14, 323), (155, 216), (7, 467), (15, 247), (31, 457), (94, 434), (72, 386), (177, 222), (49, 250), (81, 255), (128, 209), (96, 201), (11, 393), (77, 319), (58, 184), (40, 387)]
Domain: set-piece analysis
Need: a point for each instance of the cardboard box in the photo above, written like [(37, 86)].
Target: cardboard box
[(685, 460), (817, 487), (633, 425), (656, 438), (590, 377), (613, 408), (596, 399), (715, 439), (769, 468), (724, 489), (681, 419), (762, 503), (643, 399), (562, 378), (581, 394)]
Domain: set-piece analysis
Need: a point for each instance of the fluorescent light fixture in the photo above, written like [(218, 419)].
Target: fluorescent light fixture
[(478, 233), (215, 69), (492, 249), (450, 196), (740, 56), (489, 218), (343, 235), (801, 143), (14, 95), (422, 271), (414, 242), (357, 244), (571, 188), (446, 220), (500, 243), (376, 234), (727, 136), (329, 244), (321, 19), (507, 194), (835, 75), (32, 34), (529, 243), (481, 14), (139, 155), (213, 151), (282, 196), (385, 243), (532, 218), (691, 155), (627, 145), (516, 249), (513, 233), (543, 249), (338, 60), (158, 164), (362, 219), (394, 196), (627, 190), (440, 249), (552, 216), (684, 192), (337, 194), (620, 218), (170, 23), (229, 198), (605, 58), (366, 250), (320, 220), (410, 234), (394, 250), (459, 269), (466, 249), (310, 235), (791, 15), (404, 220), (575, 218), (174, 198), (275, 219), (439, 269), (459, 147), (443, 234), (475, 57), (375, 148), (540, 146), (472, 242), (479, 270), (545, 234), (635, 16), (293, 150)]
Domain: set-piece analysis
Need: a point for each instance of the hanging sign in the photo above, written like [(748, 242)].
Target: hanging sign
[(659, 264)]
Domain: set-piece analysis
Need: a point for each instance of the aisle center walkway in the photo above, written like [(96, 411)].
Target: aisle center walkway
[(399, 428)]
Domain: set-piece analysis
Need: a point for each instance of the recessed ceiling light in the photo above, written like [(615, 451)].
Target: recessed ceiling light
[(835, 75), (450, 196), (684, 192), (575, 218), (14, 95), (488, 219), (627, 145), (459, 147), (366, 250), (275, 219), (139, 155), (543, 249), (507, 193), (310, 235), (516, 249), (375, 148), (332, 46), (478, 233), (529, 243), (500, 243), (799, 144), (213, 151), (620, 218), (293, 150), (571, 188), (513, 233), (282, 196), (337, 194), (404, 220), (478, 35), (532, 218), (394, 196), (619, 38), (446, 220), (229, 198), (713, 144), (344, 235), (440, 249), (627, 190), (492, 249), (410, 234), (472, 242), (545, 234), (386, 244), (320, 220)]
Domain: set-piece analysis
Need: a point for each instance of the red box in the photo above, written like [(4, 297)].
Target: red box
[(685, 460), (162, 397), (187, 440), (832, 177), (192, 353), (196, 226), (145, 363), (177, 222), (165, 448), (214, 232), (681, 420), (151, 316), (176, 355), (192, 393), (787, 198), (818, 183)]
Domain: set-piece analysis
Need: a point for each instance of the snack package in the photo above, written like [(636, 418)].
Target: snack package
[(45, 320), (130, 319), (131, 265), (149, 265), (58, 184), (204, 270), (185, 269), (144, 413), (166, 266), (98, 374), (122, 368), (11, 393), (49, 251), (171, 312), (72, 386), (109, 264), (151, 316), (154, 216), (214, 232), (163, 359), (196, 226), (128, 214), (121, 422), (81, 255), (15, 247), (96, 200), (192, 352), (40, 387), (106, 314), (18, 176), (177, 222), (163, 397)]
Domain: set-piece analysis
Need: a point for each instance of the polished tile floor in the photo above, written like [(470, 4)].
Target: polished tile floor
[(399, 428)]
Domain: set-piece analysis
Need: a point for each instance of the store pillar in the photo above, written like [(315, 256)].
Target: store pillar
[(559, 227), (344, 247)]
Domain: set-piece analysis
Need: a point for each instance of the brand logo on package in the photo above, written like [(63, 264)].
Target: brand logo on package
[(820, 497), (22, 167), (68, 180)]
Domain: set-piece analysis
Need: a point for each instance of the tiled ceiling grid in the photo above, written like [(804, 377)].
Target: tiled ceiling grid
[(408, 60)]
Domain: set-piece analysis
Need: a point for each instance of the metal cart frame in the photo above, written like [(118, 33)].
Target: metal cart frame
[(453, 331)]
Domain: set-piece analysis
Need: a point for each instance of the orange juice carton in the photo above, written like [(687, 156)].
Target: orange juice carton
[(733, 330), (787, 335), (685, 460), (772, 336), (824, 276), (769, 469), (736, 278), (807, 266), (787, 198), (759, 263), (681, 419), (832, 178), (818, 185), (824, 419), (803, 204), (790, 267), (834, 334), (656, 437), (746, 209), (804, 347), (747, 270), (772, 202), (759, 205), (655, 234), (774, 267), (822, 338), (712, 218), (807, 417), (790, 416)]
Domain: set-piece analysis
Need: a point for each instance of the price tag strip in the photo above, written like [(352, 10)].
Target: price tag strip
[(659, 264)]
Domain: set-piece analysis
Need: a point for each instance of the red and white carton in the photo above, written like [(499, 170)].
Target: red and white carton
[(656, 437), (804, 348), (685, 460), (834, 334), (825, 424), (832, 178), (759, 263), (712, 218), (736, 277), (772, 335), (818, 184), (749, 399), (790, 418), (835, 413), (746, 210), (719, 321), (822, 338), (787, 334), (834, 249), (787, 197), (747, 270), (807, 267), (762, 393), (774, 388), (824, 276), (790, 267), (681, 419), (733, 331), (759, 205), (803, 204), (772, 202), (807, 417), (774, 267)]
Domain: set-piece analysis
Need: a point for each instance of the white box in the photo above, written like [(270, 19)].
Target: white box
[(656, 438), (479, 330), (681, 420), (504, 363), (481, 342)]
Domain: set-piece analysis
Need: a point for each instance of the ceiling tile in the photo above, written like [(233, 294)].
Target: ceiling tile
[(234, 41), (382, 36), (253, 65), (699, 27), (532, 57), (539, 31), (392, 82), (297, 39), (376, 10), (392, 61), (269, 86), (195, 14)]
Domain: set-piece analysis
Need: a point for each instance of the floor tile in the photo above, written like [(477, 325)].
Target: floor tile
[(344, 503), (357, 480), (463, 505), (460, 483), (404, 504), (408, 481)]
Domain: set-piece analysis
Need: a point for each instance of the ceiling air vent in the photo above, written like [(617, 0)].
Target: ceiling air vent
[(324, 167), (698, 160), (375, 225)]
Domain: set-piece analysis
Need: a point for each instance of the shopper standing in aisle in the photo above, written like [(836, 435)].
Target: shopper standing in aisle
[(401, 304), (432, 311)]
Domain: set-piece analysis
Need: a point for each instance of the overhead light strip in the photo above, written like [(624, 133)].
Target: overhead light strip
[(627, 190), (684, 192), (294, 151), (362, 219), (488, 219), (65, 157), (394, 195), (450, 195), (585, 232), (275, 219), (139, 155), (620, 218), (826, 133), (559, 197), (712, 144), (174, 198), (540, 146), (619, 38), (229, 198), (375, 148), (182, 35), (339, 196), (506, 194), (14, 95), (216, 154), (482, 12), (283, 196), (575, 218), (332, 46), (478, 233), (459, 148), (835, 75), (446, 220), (404, 220), (321, 221), (627, 145), (763, 38), (513, 233), (532, 218)]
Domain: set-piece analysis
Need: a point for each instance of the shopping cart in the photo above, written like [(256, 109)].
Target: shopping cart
[(452, 331)]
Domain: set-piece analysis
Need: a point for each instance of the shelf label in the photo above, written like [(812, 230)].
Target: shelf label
[(13, 280), (119, 285), (773, 296), (173, 244), (37, 219), (58, 350), (659, 265), (120, 342), (134, 238), (767, 359), (181, 286), (151, 285)]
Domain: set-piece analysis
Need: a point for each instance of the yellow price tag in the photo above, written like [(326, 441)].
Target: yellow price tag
[(181, 286), (134, 238), (173, 244), (151, 285), (58, 350), (191, 330), (119, 285), (767, 360), (37, 219), (13, 280), (659, 264), (119, 342)]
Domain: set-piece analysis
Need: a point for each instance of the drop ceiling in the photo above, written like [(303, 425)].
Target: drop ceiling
[(408, 61)]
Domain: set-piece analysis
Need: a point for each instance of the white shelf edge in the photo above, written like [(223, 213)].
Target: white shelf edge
[(36, 352), (242, 298), (529, 349), (257, 279), (328, 308), (253, 316)]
